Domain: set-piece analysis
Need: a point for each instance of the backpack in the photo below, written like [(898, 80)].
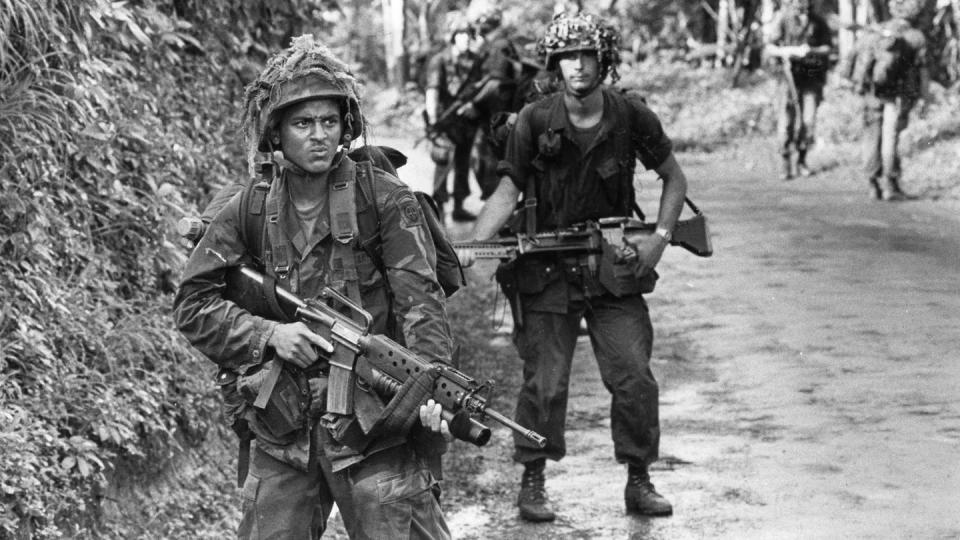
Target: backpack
[(883, 57)]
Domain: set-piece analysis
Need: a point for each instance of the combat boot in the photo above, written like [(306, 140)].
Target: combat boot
[(787, 172), (641, 497), (460, 214), (802, 169), (892, 191), (532, 501)]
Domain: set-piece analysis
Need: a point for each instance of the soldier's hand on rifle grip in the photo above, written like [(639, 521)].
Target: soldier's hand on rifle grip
[(467, 110), (648, 248), (430, 418), (297, 344)]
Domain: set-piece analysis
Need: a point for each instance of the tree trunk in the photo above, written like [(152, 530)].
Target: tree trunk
[(394, 24), (845, 37), (723, 30)]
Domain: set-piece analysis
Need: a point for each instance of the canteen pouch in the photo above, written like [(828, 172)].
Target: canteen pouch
[(286, 410)]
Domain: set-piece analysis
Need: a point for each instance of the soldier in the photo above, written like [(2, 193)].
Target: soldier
[(891, 73), (500, 71), (450, 75), (572, 156), (802, 40), (304, 111)]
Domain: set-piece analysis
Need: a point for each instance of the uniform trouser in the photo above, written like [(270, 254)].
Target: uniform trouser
[(388, 495), (486, 170), (460, 164), (622, 337), (797, 129), (883, 120)]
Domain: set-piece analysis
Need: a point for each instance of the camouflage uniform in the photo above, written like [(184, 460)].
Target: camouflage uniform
[(387, 487), (809, 74)]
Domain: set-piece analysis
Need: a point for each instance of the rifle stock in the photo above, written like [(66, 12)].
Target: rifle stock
[(385, 364)]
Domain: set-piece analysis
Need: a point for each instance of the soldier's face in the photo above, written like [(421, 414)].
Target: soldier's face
[(580, 70), (310, 134)]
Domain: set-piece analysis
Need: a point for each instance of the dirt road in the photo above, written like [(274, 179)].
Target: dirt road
[(809, 374)]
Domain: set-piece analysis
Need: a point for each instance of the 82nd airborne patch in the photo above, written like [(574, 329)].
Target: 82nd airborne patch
[(410, 213)]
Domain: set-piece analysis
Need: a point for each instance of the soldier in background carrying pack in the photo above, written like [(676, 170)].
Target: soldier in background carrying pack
[(451, 114), (572, 157), (889, 69), (802, 41), (304, 111)]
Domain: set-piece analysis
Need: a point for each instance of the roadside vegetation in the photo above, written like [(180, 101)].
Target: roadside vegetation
[(116, 120)]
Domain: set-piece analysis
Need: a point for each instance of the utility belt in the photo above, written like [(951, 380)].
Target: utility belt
[(594, 274)]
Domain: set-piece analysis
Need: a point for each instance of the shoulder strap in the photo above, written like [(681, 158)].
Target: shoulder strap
[(252, 216)]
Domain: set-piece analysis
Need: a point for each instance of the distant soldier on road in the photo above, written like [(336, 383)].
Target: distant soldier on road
[(572, 157), (451, 75), (802, 41), (890, 71)]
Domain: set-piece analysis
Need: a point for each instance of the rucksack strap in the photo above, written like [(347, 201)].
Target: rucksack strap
[(343, 227)]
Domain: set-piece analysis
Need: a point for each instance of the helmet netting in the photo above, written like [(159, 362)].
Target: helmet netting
[(304, 57), (582, 32)]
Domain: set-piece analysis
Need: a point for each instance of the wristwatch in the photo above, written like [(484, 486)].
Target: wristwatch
[(665, 233)]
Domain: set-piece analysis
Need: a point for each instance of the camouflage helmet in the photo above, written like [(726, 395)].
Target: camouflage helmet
[(457, 22), (581, 32), (306, 70), (488, 19)]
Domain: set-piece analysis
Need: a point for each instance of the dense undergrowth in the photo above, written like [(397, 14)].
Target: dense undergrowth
[(115, 120)]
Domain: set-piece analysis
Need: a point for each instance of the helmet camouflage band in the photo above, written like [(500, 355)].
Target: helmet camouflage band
[(581, 32), (306, 70)]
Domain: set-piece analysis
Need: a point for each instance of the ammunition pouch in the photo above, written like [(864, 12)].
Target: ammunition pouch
[(285, 412), (619, 277)]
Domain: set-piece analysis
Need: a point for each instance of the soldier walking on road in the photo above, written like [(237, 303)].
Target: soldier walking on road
[(572, 157), (802, 41), (303, 111), (450, 74), (890, 71)]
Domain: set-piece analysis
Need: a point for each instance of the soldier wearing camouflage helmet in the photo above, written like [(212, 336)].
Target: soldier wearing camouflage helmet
[(802, 41), (303, 112), (571, 158)]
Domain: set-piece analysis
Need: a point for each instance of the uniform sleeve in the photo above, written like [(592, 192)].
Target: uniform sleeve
[(653, 146), (220, 329), (409, 257), (519, 150)]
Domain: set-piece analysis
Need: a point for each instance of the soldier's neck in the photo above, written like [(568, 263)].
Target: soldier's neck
[(584, 111), (307, 188)]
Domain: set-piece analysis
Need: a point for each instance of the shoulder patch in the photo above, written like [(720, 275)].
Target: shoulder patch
[(410, 213)]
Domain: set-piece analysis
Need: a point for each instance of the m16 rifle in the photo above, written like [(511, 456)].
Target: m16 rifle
[(380, 362)]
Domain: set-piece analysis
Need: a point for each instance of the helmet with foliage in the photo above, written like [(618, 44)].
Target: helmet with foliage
[(455, 23), (907, 9), (305, 70), (581, 32), (488, 20)]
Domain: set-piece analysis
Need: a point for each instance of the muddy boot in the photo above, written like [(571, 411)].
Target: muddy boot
[(787, 172), (892, 191), (532, 501), (802, 169), (641, 497)]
